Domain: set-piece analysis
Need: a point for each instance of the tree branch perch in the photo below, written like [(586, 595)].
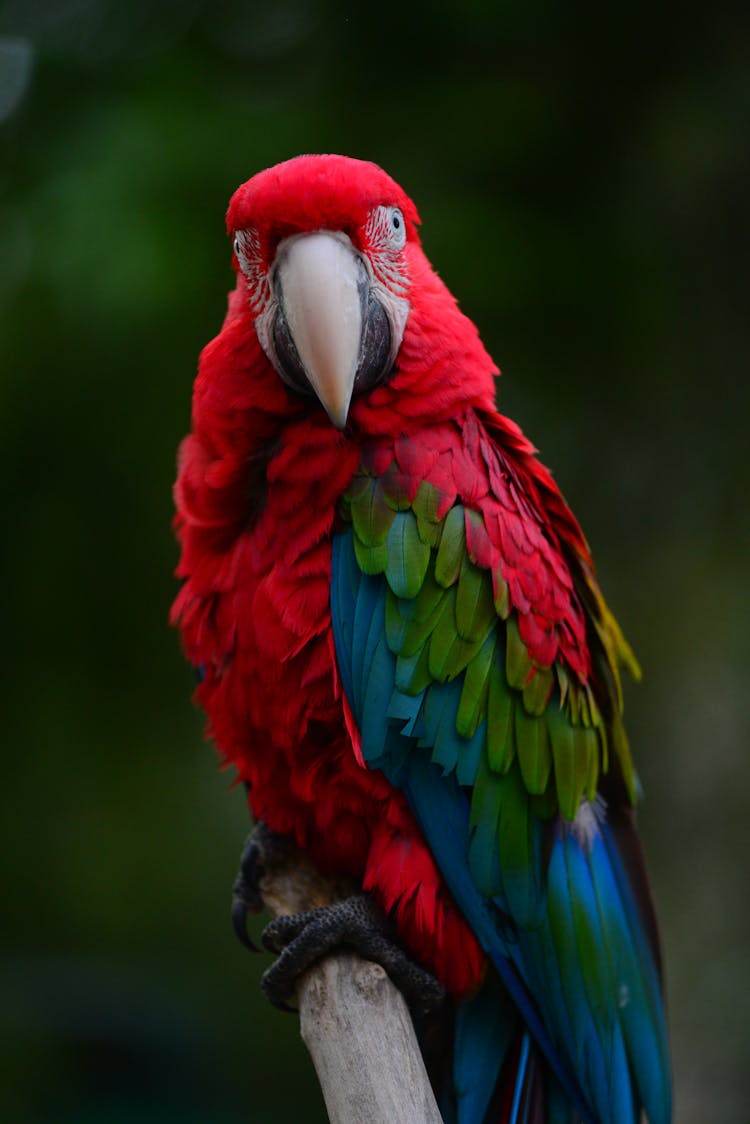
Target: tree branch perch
[(353, 1020)]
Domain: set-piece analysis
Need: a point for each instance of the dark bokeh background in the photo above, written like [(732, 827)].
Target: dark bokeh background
[(582, 175)]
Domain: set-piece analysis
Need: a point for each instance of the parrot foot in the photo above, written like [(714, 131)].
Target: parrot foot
[(263, 850), (356, 922)]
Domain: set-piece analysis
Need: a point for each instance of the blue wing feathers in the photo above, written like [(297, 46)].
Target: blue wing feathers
[(406, 710), (442, 812), (470, 756), (486, 1025), (345, 600), (369, 633), (577, 961), (375, 726), (441, 708)]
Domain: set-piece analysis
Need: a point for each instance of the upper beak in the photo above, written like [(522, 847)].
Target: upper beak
[(319, 282)]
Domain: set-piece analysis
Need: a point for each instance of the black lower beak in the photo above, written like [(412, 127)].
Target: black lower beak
[(375, 346)]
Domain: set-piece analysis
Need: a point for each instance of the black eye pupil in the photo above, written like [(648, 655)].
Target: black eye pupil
[(396, 222)]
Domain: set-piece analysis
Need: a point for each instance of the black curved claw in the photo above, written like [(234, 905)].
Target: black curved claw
[(240, 910), (356, 922), (262, 848)]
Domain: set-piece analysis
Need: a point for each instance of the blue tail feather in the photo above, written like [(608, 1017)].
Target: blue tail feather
[(519, 1107)]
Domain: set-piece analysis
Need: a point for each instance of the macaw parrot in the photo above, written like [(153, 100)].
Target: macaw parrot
[(404, 652)]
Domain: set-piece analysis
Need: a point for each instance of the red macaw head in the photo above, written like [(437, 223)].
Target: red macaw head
[(322, 244), (343, 301)]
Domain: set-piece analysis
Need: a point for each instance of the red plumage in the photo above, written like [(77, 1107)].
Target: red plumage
[(259, 482)]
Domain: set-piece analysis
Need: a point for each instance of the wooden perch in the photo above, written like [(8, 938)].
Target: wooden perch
[(353, 1019)]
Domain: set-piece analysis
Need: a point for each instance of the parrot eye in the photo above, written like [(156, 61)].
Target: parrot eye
[(246, 246), (386, 229), (397, 227)]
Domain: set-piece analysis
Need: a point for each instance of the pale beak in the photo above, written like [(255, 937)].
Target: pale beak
[(320, 283)]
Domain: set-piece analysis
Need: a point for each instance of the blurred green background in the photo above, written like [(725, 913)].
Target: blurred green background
[(582, 173)]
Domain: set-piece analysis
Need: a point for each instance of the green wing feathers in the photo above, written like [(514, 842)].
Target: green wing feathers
[(547, 732)]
